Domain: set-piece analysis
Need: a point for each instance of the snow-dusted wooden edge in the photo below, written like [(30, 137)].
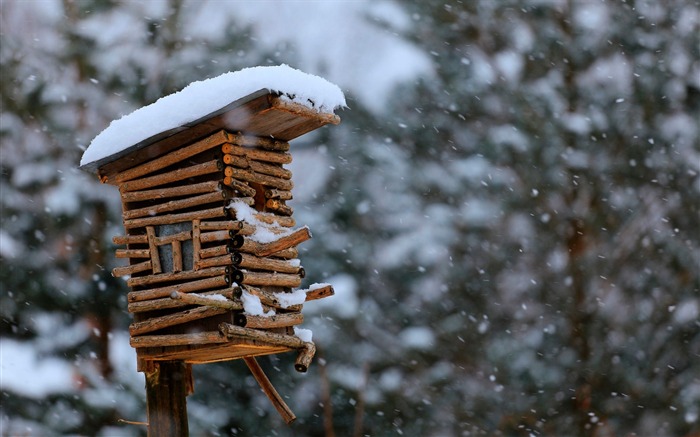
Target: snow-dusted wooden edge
[(236, 116)]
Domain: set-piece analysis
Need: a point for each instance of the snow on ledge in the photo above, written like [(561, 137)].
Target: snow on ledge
[(201, 98)]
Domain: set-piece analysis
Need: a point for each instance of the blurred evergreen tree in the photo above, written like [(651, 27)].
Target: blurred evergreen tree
[(533, 204)]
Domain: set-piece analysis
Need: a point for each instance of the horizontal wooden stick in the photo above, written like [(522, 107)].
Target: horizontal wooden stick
[(239, 186), (267, 388), (200, 284), (156, 323), (269, 299), (165, 193), (266, 217), (257, 154), (181, 276), (236, 161), (222, 235), (294, 239), (168, 303), (212, 337), (270, 169), (269, 322), (211, 252), (306, 354), (270, 279), (167, 239), (319, 293), (132, 253), (279, 207), (273, 193), (232, 331), (274, 265), (174, 205), (259, 178), (130, 239), (175, 218), (175, 156), (255, 141), (223, 260), (195, 299), (130, 270), (172, 176), (232, 225)]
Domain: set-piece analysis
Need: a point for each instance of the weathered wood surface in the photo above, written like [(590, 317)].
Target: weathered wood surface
[(177, 276), (166, 399)]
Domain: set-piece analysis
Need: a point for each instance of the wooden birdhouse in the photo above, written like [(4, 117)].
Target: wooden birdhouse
[(210, 240)]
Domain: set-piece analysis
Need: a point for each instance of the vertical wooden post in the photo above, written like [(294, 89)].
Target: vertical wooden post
[(167, 385)]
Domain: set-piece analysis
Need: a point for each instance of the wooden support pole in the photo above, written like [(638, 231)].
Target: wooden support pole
[(266, 386), (166, 398), (177, 256), (196, 242)]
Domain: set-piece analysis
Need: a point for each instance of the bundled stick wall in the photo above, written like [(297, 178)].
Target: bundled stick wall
[(212, 252)]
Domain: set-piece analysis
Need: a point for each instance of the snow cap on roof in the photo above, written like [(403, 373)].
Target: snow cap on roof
[(201, 98)]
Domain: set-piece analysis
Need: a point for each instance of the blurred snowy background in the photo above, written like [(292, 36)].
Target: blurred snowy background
[(509, 213)]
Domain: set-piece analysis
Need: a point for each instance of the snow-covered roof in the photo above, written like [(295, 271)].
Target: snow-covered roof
[(202, 99)]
